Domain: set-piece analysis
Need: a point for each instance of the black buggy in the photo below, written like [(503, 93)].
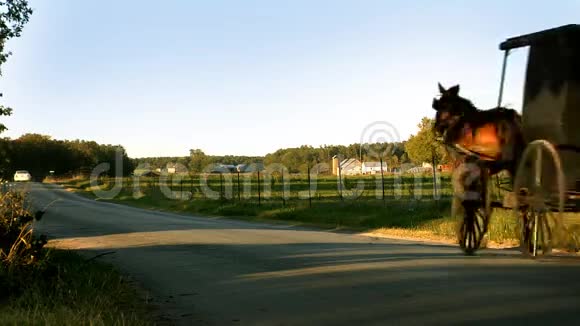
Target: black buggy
[(546, 186)]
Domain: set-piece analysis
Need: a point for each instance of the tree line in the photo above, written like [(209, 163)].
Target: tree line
[(301, 158), (40, 154), (420, 147), (196, 162), (295, 159)]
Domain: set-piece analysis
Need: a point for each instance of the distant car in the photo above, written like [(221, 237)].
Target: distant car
[(22, 175)]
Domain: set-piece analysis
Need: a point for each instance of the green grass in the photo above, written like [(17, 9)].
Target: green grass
[(249, 187), (410, 211), (364, 213), (66, 289)]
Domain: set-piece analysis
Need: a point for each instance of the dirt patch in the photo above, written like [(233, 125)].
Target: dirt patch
[(430, 237)]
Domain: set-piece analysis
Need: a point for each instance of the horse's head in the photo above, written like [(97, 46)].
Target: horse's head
[(450, 108)]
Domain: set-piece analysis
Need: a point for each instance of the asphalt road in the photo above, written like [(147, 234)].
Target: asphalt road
[(205, 271)]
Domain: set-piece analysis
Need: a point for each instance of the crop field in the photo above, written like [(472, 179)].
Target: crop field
[(267, 187)]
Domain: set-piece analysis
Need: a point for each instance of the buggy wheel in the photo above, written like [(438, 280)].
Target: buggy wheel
[(540, 196), (472, 203), (536, 227), (473, 229)]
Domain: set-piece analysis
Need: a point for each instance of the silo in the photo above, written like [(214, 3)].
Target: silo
[(335, 165)]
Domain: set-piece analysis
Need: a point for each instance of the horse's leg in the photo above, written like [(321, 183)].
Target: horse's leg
[(512, 145)]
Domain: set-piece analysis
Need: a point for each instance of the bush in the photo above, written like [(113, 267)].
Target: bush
[(18, 244), (20, 249)]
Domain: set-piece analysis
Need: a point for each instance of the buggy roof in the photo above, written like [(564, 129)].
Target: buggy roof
[(541, 36)]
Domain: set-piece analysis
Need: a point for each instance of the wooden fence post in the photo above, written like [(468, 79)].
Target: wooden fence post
[(309, 186), (239, 192), (382, 178), (259, 194)]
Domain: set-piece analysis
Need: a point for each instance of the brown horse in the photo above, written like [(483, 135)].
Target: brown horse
[(489, 141), (493, 137)]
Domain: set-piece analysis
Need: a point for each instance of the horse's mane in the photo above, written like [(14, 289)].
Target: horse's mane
[(499, 113), (467, 103), (476, 117), (492, 114)]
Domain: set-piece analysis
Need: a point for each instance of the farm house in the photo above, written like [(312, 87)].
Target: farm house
[(373, 167)]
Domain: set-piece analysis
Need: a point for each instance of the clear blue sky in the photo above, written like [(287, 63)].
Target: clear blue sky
[(233, 77)]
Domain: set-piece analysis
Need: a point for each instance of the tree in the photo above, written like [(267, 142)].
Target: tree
[(40, 154), (423, 146), (394, 161), (198, 160), (14, 14)]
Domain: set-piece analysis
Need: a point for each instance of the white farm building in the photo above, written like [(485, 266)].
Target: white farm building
[(373, 167)]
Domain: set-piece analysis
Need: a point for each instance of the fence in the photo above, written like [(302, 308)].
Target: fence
[(265, 186)]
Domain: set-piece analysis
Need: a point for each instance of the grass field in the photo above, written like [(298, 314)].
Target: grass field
[(409, 206), (67, 289), (275, 187)]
